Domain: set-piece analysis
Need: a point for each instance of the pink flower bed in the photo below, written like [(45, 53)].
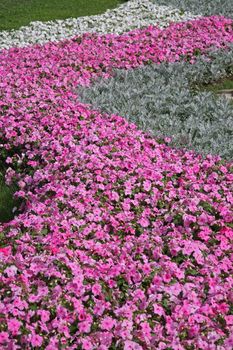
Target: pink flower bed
[(125, 243)]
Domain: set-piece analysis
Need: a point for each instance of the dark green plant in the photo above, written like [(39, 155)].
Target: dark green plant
[(8, 203)]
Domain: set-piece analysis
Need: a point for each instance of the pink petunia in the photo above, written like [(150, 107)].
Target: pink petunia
[(107, 323), (131, 345), (6, 251), (147, 185), (144, 222), (4, 337), (36, 340), (14, 326)]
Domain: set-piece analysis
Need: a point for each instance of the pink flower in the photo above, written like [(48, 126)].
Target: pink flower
[(84, 327), (115, 196), (144, 222), (6, 251), (147, 185), (53, 344), (158, 309), (44, 315), (14, 326), (82, 315), (36, 340), (63, 328), (223, 308), (131, 345), (4, 337), (146, 330), (229, 320), (204, 219), (167, 277), (87, 345), (146, 268), (193, 331), (139, 294), (96, 289), (107, 323), (189, 219), (228, 343), (205, 233), (228, 232), (11, 271)]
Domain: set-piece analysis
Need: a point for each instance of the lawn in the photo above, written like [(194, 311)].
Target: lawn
[(224, 84), (17, 13)]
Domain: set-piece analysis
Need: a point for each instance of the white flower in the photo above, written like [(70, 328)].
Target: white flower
[(11, 271)]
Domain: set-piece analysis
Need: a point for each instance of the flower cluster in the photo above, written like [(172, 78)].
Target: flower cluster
[(128, 16), (124, 242)]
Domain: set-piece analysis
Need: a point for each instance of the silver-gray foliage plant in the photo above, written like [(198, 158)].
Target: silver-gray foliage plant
[(204, 7), (162, 99)]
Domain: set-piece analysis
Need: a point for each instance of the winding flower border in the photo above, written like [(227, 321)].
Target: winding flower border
[(124, 241)]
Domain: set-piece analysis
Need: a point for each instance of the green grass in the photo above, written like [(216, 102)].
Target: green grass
[(224, 84), (217, 86), (16, 13)]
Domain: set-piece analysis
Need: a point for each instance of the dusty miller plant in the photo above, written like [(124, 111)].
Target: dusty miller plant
[(165, 100), (204, 7)]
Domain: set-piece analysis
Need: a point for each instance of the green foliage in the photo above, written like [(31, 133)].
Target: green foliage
[(7, 200)]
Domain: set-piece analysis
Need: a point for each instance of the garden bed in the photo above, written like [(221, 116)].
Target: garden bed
[(124, 241)]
